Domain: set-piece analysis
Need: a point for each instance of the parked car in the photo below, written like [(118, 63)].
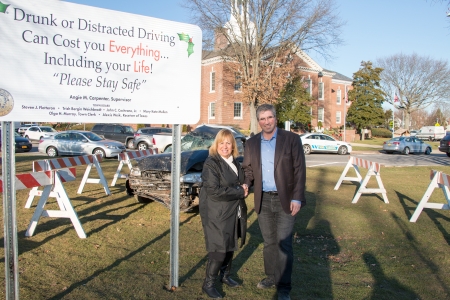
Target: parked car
[(431, 133), (22, 128), (406, 145), (152, 137), (79, 142), (444, 145), (35, 133), (21, 143), (320, 142), (150, 178), (116, 132)]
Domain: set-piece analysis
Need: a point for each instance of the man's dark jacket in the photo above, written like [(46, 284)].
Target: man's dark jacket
[(289, 168)]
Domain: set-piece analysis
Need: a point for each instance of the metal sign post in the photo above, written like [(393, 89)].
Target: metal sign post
[(175, 205), (9, 212)]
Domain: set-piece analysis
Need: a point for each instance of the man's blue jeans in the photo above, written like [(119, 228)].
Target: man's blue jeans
[(276, 228)]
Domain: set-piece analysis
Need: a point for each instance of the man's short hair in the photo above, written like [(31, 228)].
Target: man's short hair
[(265, 107)]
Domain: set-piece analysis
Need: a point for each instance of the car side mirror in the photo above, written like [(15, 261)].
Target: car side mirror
[(84, 140)]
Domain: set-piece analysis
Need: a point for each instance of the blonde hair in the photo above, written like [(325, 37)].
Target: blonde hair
[(224, 134)]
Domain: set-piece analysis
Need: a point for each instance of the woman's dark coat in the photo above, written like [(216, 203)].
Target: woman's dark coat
[(220, 196)]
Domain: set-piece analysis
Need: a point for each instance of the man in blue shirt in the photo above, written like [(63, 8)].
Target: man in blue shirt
[(274, 163)]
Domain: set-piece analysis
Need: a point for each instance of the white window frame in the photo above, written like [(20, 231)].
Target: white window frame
[(338, 117), (212, 82), (234, 110), (212, 110), (320, 118), (309, 89), (339, 96), (237, 82), (320, 90)]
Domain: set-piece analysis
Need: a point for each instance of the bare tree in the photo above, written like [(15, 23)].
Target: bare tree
[(262, 35), (413, 82)]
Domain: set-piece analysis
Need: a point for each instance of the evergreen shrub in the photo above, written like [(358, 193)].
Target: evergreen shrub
[(381, 132)]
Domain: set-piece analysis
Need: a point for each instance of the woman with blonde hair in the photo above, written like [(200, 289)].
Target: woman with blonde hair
[(222, 209)]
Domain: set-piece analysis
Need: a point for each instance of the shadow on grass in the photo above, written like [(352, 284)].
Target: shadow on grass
[(385, 287), (434, 215), (414, 245), (86, 215), (116, 263)]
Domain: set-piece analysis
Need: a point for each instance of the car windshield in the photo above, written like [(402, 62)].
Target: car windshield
[(92, 136), (47, 129), (196, 142)]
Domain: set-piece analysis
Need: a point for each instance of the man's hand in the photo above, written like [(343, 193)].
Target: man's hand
[(295, 208)]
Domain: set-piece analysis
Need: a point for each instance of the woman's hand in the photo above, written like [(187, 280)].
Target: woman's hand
[(245, 188)]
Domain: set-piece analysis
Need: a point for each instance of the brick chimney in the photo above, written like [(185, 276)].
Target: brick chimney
[(220, 41)]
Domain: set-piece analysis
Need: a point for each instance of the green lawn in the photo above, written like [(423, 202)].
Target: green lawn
[(367, 250)]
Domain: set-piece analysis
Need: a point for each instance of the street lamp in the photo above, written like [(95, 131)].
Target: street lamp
[(319, 75)]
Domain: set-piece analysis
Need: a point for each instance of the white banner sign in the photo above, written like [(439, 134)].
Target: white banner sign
[(65, 62)]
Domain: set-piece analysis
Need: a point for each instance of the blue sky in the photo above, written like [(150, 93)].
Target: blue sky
[(374, 29)]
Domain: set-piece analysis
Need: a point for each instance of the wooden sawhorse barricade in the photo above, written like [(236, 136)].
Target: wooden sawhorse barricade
[(126, 157), (438, 180), (373, 170), (57, 190)]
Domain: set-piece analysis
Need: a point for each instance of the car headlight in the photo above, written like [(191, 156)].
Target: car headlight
[(135, 172), (111, 146), (191, 178)]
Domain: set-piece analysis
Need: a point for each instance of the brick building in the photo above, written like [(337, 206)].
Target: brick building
[(222, 102)]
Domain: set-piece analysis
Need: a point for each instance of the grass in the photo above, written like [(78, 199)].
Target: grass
[(367, 250)]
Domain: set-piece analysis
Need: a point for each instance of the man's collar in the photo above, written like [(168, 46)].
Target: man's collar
[(274, 136)]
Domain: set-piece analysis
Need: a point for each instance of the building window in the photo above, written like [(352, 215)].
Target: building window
[(308, 86), (346, 95), (238, 110), (212, 110), (338, 97), (320, 114), (237, 82), (338, 117), (212, 82), (320, 90)]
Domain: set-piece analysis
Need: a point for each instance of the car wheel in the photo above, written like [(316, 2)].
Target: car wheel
[(430, 138), (99, 151), (406, 151), (342, 150), (307, 149), (428, 151), (41, 138), (142, 146), (52, 152), (141, 199), (130, 144)]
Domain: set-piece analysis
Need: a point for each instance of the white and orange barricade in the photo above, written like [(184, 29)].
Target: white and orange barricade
[(67, 162), (125, 158), (438, 180), (373, 170), (52, 181)]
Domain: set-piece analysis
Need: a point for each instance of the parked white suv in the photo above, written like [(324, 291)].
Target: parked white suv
[(38, 132)]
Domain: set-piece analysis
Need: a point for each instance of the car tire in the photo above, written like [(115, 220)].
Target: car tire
[(52, 152), (130, 144), (142, 146), (99, 151), (141, 199), (307, 149), (342, 150), (27, 137), (430, 138), (428, 151), (41, 138), (406, 151)]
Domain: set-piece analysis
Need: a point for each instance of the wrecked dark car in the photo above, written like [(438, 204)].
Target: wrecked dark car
[(150, 178)]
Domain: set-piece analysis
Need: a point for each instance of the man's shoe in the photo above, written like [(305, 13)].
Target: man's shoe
[(266, 283), (283, 296)]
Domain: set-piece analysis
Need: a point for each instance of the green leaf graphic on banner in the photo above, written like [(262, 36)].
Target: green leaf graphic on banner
[(186, 38), (3, 7), (183, 37), (190, 48)]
